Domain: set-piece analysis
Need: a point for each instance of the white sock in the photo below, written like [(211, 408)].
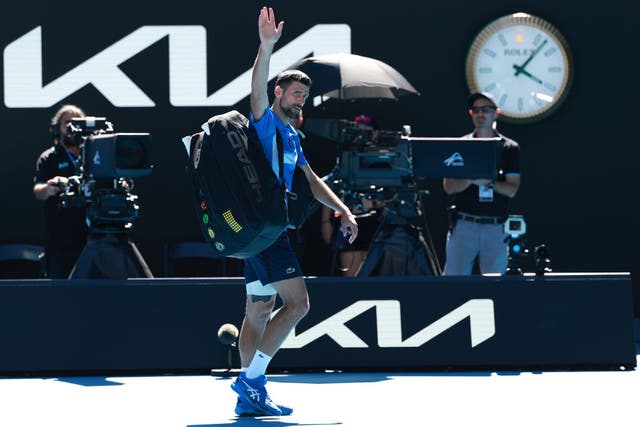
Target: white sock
[(258, 365)]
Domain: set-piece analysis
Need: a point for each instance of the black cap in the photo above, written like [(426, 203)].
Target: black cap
[(477, 95)]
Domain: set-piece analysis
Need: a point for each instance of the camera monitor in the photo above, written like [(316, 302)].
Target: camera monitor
[(373, 166), (456, 157), (330, 129), (117, 155)]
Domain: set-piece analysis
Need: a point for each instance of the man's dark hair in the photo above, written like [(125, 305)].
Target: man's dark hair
[(285, 78)]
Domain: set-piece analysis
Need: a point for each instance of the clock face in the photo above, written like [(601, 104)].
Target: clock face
[(524, 62)]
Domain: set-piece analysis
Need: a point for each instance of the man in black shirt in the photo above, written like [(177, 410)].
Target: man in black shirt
[(481, 204), (66, 230)]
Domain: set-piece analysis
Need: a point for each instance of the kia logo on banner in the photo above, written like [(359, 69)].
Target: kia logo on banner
[(389, 326), (23, 68)]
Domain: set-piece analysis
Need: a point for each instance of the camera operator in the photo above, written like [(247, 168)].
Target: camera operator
[(352, 256), (480, 205), (66, 230)]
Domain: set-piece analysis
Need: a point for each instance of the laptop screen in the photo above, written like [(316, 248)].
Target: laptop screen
[(456, 157)]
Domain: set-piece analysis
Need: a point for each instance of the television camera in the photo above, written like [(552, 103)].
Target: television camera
[(108, 163), (376, 165), (382, 161), (370, 164), (393, 167)]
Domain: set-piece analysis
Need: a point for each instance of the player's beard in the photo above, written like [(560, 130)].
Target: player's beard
[(292, 112)]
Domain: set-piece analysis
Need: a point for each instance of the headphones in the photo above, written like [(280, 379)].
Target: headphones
[(67, 110), (54, 129)]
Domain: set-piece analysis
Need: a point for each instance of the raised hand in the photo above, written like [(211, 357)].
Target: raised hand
[(269, 32)]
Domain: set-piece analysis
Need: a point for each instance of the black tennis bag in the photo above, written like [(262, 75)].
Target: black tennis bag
[(239, 201)]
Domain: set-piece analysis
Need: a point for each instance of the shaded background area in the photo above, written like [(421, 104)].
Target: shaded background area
[(578, 188)]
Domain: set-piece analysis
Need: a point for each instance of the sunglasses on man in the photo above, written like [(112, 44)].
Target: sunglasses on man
[(484, 109)]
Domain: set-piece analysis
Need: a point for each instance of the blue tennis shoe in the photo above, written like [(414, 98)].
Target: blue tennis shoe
[(253, 393), (246, 409)]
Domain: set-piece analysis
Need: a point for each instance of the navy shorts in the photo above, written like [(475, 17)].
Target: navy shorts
[(277, 262)]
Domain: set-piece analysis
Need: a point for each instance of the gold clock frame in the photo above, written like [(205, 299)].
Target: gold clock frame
[(514, 19)]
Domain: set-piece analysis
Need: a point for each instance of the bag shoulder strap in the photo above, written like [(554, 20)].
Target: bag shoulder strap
[(280, 147)]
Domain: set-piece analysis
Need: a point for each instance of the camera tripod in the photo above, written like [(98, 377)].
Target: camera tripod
[(399, 246), (110, 254)]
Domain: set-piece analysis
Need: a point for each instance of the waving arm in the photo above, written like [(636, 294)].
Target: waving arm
[(269, 35)]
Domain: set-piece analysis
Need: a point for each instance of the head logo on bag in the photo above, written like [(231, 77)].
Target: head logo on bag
[(240, 145), (235, 187)]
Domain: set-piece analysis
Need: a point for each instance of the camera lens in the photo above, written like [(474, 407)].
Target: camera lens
[(130, 153)]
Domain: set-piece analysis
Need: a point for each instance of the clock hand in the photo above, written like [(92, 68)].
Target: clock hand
[(520, 69)]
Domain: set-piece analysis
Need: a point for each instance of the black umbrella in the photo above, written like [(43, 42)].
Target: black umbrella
[(347, 76)]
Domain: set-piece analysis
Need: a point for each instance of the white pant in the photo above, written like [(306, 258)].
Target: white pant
[(468, 240)]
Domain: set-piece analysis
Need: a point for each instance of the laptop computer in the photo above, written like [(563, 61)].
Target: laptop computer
[(456, 157)]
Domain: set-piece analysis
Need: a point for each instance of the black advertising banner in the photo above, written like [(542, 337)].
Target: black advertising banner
[(457, 324), (429, 323)]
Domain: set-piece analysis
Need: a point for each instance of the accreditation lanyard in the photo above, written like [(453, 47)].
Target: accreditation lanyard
[(73, 161)]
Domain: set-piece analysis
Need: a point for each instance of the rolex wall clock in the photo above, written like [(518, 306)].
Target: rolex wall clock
[(524, 62)]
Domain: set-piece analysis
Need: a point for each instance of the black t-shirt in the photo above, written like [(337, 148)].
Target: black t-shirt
[(65, 227), (471, 200)]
